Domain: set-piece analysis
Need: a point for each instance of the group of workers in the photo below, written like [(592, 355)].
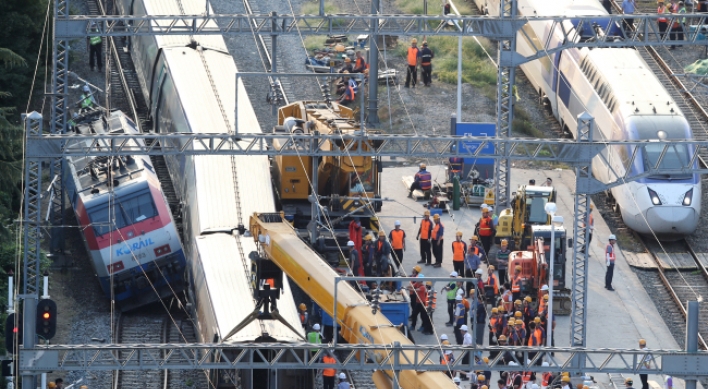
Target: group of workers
[(419, 56), (347, 87)]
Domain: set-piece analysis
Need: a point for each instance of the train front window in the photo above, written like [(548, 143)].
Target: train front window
[(676, 157), (123, 212)]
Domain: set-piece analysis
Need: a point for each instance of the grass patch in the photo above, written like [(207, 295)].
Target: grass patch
[(313, 42), (477, 69), (522, 124), (416, 7), (313, 8)]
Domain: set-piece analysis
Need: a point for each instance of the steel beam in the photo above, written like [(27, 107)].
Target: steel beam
[(505, 105), (296, 356), (32, 211), (581, 235)]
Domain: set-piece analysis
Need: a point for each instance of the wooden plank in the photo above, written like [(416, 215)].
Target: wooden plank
[(682, 261), (639, 260)]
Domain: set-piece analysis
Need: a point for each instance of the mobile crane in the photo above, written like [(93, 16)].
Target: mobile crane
[(279, 244)]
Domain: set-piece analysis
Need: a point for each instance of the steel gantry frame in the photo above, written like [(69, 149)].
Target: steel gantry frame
[(57, 145)]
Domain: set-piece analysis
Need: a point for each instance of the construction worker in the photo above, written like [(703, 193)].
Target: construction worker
[(628, 382), (507, 298), (543, 315), (355, 235), (610, 261), (383, 252), (514, 379), (431, 304), (646, 364), (491, 286), (425, 232), (451, 289), (422, 180), (481, 381), (353, 259), (542, 300), (447, 358), (460, 318), (437, 238), (518, 336), (466, 341), (458, 382), (411, 290), (479, 315), (548, 183), (52, 385), (589, 223), (328, 373), (421, 296), (303, 315), (528, 311), (473, 259), (346, 66), (314, 337), (426, 63), (516, 283), (459, 249), (94, 45), (359, 64), (368, 252), (59, 383), (455, 165), (397, 237), (503, 260), (343, 383), (495, 326), (485, 228), (480, 282), (412, 61), (348, 95), (87, 101)]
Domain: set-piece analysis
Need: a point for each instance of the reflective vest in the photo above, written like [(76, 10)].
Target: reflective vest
[(661, 11), (349, 96), (328, 372), (456, 164), (425, 179), (94, 40), (516, 284), (536, 338), (610, 253), (432, 299), (412, 56), (510, 380), (303, 318), (526, 376), (396, 237), (425, 228), (485, 226), (494, 322), (546, 378), (86, 101), (360, 63), (422, 293), (541, 304), (458, 251), (452, 291), (508, 301), (436, 230), (315, 338), (492, 280)]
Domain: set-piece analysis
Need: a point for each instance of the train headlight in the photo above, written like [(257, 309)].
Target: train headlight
[(654, 197), (688, 197)]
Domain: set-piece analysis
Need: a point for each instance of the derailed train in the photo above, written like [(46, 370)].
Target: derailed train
[(627, 101), (188, 82)]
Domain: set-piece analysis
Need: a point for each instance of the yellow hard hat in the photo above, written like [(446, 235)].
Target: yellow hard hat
[(565, 378), (545, 297), (458, 233), (436, 216), (474, 237), (527, 299), (586, 387), (536, 319), (481, 377), (446, 343), (628, 381), (517, 302), (511, 321), (368, 237), (381, 233), (472, 291), (518, 268), (504, 242), (52, 385), (484, 387), (422, 165), (642, 342), (417, 268), (491, 267), (426, 213), (414, 40), (518, 314), (501, 308), (502, 338), (84, 387), (303, 307), (485, 359), (429, 283), (592, 206), (565, 373), (495, 310)]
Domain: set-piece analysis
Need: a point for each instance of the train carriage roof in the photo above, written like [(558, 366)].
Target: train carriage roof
[(191, 7)]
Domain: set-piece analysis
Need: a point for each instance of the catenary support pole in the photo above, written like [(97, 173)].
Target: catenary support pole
[(28, 335), (274, 59), (692, 335), (373, 115)]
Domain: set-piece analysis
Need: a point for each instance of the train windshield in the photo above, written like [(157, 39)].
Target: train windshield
[(122, 212), (676, 157)]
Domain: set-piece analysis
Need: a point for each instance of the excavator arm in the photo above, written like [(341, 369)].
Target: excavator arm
[(279, 242)]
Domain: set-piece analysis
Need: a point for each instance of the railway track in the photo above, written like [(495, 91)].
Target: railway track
[(145, 329)]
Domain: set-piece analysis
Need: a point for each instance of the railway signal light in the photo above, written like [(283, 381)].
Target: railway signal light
[(46, 319), (12, 330)]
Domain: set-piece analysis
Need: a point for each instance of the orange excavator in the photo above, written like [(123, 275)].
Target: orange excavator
[(279, 244)]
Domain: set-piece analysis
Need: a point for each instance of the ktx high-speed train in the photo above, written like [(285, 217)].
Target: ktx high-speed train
[(125, 220), (628, 102), (188, 82)]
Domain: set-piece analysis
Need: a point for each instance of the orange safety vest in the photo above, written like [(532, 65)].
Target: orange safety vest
[(675, 10), (661, 11), (466, 304), (412, 56), (425, 229), (508, 301), (435, 299), (303, 318), (526, 376), (536, 337), (541, 304), (328, 372), (485, 226), (493, 322), (436, 229), (515, 284), (359, 63), (397, 239), (546, 378), (458, 251), (492, 280), (351, 95)]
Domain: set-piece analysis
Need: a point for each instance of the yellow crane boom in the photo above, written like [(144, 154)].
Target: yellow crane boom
[(279, 241)]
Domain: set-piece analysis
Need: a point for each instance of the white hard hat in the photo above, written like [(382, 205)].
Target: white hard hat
[(316, 327), (458, 297), (456, 380), (443, 337), (86, 88), (454, 274), (490, 208), (350, 243), (544, 287), (342, 376), (512, 363), (612, 237), (534, 386), (484, 206), (460, 292), (479, 271), (397, 223), (463, 327), (544, 364)]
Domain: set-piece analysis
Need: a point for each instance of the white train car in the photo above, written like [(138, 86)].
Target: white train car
[(628, 102), (189, 84)]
